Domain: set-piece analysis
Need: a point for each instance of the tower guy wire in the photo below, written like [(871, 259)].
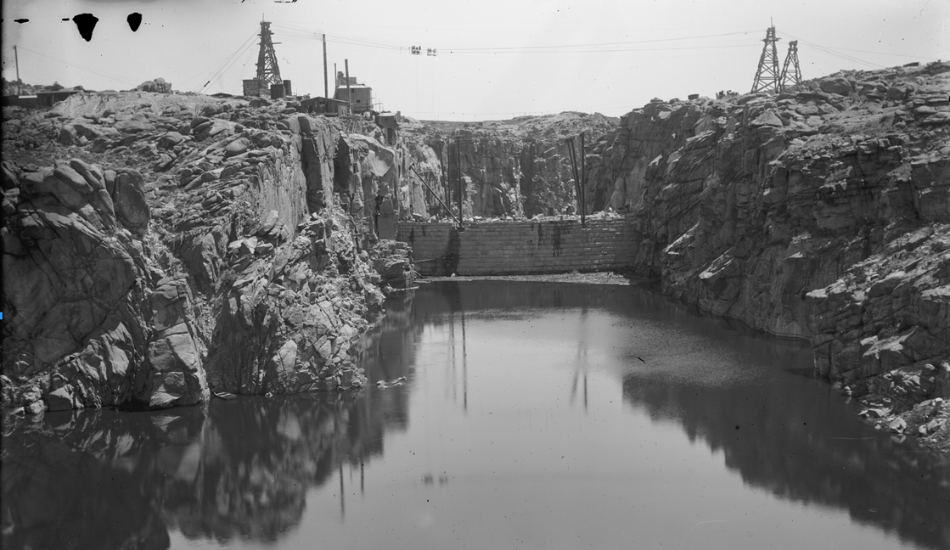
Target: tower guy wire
[(767, 76)]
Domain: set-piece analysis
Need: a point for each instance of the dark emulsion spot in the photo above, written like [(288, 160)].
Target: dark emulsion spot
[(134, 19), (21, 21), (86, 22)]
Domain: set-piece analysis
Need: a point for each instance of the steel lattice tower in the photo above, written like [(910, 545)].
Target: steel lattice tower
[(267, 69), (767, 77), (795, 77)]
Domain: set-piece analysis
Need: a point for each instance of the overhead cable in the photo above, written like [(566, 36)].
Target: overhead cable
[(87, 69), (218, 63)]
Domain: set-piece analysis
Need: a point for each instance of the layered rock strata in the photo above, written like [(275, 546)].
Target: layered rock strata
[(821, 213), (507, 169), (222, 262)]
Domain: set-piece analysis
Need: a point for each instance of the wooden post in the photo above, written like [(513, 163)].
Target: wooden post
[(411, 209), (16, 60), (326, 83), (583, 184), (445, 206), (577, 182), (444, 181), (397, 204), (349, 97), (458, 166)]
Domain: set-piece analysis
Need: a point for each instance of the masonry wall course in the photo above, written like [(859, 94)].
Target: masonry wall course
[(523, 247)]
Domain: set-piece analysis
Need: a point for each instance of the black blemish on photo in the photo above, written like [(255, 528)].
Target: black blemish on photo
[(21, 21), (86, 22), (134, 19)]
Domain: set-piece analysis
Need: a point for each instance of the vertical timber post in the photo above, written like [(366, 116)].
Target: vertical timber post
[(397, 204), (326, 83), (577, 181), (444, 179), (349, 97), (458, 166), (583, 185), (16, 61)]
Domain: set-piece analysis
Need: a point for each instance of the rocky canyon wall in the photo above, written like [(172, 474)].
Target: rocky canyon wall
[(183, 245), (822, 213), (516, 168)]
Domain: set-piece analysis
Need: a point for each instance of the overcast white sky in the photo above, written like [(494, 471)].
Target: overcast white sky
[(495, 58)]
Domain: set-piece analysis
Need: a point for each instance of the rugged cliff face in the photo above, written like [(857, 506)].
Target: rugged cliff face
[(220, 262), (821, 214), (158, 247), (520, 167)]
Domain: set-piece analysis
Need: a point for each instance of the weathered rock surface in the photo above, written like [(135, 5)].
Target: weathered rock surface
[(393, 262), (511, 168), (821, 215), (219, 264)]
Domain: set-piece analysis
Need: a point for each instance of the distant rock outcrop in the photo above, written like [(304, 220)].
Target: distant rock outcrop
[(517, 168), (159, 85)]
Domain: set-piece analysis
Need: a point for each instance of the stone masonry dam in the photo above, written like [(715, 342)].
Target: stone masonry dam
[(520, 247)]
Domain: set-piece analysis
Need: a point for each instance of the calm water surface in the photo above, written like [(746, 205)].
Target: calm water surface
[(534, 415)]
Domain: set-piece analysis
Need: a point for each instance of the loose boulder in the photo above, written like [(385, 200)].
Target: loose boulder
[(838, 86), (131, 207)]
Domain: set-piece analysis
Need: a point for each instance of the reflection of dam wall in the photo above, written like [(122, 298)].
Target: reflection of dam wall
[(796, 453), (478, 295), (641, 303), (101, 479)]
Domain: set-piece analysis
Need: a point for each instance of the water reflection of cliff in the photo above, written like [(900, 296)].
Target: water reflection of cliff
[(241, 469), (234, 470), (805, 454)]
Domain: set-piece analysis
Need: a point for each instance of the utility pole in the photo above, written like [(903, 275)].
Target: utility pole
[(583, 184), (767, 76), (577, 179), (458, 166), (444, 180), (397, 206), (349, 97), (411, 210), (326, 84), (16, 61), (795, 77)]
